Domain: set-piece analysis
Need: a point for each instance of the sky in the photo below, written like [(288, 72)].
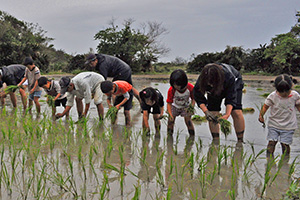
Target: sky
[(194, 26)]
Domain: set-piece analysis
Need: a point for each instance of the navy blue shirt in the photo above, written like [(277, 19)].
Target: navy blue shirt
[(110, 66)]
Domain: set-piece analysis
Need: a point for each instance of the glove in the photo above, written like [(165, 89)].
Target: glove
[(210, 117)]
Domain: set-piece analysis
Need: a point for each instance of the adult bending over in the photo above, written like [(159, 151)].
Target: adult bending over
[(221, 81), (85, 85)]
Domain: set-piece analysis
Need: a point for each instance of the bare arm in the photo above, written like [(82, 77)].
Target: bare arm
[(262, 113)]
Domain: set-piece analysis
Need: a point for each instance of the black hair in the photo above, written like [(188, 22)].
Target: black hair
[(106, 86), (147, 93), (211, 74), (28, 61), (42, 81), (283, 83), (178, 77)]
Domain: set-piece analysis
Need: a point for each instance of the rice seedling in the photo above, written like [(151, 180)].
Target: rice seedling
[(145, 163), (265, 95), (248, 110), (280, 164), (11, 88), (259, 89), (267, 178), (137, 192), (292, 168), (199, 118), (104, 186), (293, 192), (220, 157), (225, 126), (50, 101), (202, 177), (112, 113), (91, 155), (160, 178), (191, 109), (169, 192)]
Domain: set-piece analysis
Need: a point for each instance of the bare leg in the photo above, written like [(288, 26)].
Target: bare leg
[(79, 106), (285, 149), (37, 105), (157, 123), (23, 98), (271, 148), (239, 123), (100, 110), (13, 99), (171, 126), (127, 117), (190, 125), (213, 127)]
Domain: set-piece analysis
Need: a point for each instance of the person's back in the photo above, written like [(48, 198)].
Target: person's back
[(93, 79), (110, 66), (13, 74)]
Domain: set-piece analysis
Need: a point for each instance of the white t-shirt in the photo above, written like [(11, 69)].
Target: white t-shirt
[(283, 110)]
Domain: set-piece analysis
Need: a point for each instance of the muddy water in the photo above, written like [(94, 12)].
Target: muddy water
[(166, 167)]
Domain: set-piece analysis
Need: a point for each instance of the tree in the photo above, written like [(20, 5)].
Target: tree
[(19, 39), (197, 64), (285, 52), (138, 48), (233, 56)]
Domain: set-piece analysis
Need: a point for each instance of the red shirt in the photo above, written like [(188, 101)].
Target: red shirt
[(122, 88), (180, 99)]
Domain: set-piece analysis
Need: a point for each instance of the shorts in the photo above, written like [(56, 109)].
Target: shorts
[(282, 136), (35, 94), (62, 102), (180, 111), (128, 104), (151, 109), (98, 95), (214, 103)]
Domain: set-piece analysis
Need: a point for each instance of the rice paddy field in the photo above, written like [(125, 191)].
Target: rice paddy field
[(62, 159)]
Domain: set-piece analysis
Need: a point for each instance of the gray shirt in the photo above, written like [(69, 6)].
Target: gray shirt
[(85, 85)]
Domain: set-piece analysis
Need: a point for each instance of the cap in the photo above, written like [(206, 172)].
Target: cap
[(64, 82), (89, 58), (28, 61)]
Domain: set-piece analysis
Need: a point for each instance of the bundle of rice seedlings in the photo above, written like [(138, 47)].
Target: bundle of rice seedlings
[(248, 110), (199, 118), (191, 109), (50, 100), (225, 126), (11, 88), (164, 117), (112, 113), (265, 95)]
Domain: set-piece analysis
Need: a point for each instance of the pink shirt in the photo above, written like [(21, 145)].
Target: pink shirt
[(283, 111)]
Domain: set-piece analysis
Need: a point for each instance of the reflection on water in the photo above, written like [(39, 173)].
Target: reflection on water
[(87, 160)]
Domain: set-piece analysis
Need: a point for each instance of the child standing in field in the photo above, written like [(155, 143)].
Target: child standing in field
[(52, 88), (122, 90), (152, 101), (180, 100), (32, 74), (282, 121)]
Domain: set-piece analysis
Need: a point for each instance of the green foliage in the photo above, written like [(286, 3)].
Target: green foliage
[(19, 39), (135, 47), (285, 51)]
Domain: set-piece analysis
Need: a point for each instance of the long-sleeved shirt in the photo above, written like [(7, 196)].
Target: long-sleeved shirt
[(232, 81)]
